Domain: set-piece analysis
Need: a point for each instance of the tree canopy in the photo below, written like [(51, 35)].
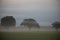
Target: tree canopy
[(56, 25), (8, 21), (30, 23)]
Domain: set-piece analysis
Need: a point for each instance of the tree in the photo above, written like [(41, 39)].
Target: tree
[(30, 23), (8, 21), (56, 25)]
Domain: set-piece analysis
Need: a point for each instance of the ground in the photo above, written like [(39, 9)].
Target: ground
[(41, 35)]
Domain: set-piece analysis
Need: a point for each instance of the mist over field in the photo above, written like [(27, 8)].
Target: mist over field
[(29, 19), (45, 12), (26, 29)]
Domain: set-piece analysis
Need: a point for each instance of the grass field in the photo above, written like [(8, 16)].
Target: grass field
[(42, 35)]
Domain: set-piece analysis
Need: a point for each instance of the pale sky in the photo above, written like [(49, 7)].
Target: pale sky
[(43, 11)]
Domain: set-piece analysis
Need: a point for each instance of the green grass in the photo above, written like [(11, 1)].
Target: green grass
[(30, 35)]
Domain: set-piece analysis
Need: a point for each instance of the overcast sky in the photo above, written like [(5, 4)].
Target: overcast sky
[(43, 11)]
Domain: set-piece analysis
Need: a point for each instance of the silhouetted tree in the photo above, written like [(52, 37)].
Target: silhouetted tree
[(56, 25), (8, 21), (30, 23)]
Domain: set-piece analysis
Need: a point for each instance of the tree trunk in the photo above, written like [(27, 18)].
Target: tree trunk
[(56, 29)]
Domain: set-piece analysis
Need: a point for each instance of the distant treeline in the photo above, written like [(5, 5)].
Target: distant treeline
[(9, 21)]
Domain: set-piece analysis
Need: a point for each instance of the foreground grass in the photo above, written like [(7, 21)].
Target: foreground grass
[(30, 35)]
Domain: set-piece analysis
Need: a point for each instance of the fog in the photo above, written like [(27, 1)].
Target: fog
[(44, 12), (25, 29)]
